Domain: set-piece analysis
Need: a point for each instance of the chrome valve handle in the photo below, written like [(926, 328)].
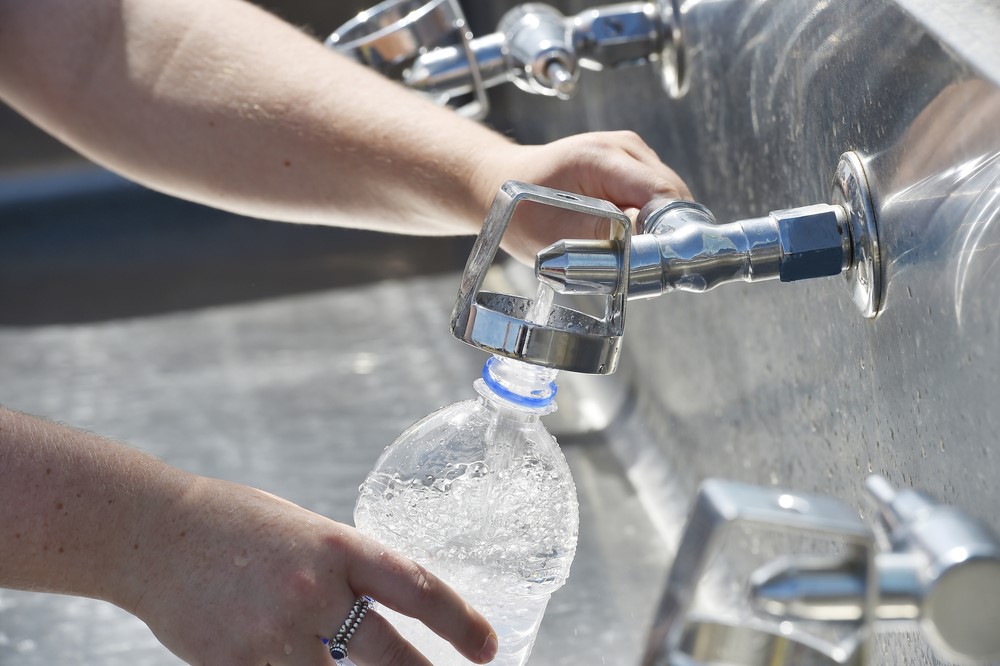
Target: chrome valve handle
[(425, 45), (567, 339)]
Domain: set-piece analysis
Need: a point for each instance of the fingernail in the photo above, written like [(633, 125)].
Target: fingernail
[(489, 649)]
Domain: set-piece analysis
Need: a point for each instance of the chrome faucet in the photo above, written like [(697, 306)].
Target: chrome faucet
[(939, 569), (426, 45), (679, 246)]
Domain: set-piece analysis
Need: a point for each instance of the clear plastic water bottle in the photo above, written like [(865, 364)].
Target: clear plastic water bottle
[(481, 495)]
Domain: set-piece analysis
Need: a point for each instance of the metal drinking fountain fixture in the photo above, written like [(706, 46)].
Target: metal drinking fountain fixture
[(934, 568), (680, 247), (426, 45)]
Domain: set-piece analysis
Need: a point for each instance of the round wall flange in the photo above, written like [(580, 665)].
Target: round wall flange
[(864, 277)]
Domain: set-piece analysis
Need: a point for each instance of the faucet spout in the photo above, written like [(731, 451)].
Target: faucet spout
[(683, 248)]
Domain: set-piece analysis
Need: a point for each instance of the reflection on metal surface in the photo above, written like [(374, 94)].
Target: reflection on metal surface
[(949, 184), (963, 199), (707, 642), (980, 241), (497, 323)]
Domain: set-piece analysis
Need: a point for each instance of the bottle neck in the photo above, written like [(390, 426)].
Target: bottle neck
[(526, 387)]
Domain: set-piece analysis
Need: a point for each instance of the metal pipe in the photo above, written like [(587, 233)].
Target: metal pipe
[(683, 248)]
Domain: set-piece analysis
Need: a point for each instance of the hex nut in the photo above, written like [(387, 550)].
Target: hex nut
[(814, 242)]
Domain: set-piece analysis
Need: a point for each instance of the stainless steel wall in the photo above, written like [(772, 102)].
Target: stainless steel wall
[(786, 384)]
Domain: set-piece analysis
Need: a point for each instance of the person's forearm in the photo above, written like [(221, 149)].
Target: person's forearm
[(219, 102), (220, 572), (74, 508)]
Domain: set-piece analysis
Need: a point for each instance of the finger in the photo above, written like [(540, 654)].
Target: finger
[(378, 643), (633, 213), (408, 588), (657, 180), (629, 184), (633, 145)]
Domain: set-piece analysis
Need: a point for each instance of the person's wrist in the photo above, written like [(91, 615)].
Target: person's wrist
[(492, 166), (139, 560)]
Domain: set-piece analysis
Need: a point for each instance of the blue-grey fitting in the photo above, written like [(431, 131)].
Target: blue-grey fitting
[(815, 242)]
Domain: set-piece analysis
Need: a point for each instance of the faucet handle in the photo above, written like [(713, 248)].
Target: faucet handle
[(567, 339)]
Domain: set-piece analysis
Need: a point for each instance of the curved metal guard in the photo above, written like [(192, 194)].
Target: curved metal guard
[(496, 323)]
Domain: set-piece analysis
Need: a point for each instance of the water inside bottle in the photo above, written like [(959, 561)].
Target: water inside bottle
[(498, 551)]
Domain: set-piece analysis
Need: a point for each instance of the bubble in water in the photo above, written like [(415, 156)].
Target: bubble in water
[(455, 517)]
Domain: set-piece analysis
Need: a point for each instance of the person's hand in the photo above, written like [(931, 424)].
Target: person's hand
[(617, 166), (226, 575)]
